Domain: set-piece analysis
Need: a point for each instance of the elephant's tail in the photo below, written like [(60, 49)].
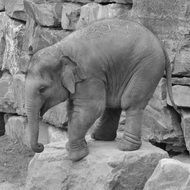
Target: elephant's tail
[(169, 82)]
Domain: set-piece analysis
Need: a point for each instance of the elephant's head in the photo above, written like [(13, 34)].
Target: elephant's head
[(50, 79)]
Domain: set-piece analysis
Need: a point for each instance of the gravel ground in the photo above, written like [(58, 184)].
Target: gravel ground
[(14, 160)]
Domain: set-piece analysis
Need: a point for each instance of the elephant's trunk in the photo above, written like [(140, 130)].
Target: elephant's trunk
[(32, 110)]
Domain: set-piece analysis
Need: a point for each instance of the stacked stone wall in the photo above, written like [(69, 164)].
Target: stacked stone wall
[(26, 27)]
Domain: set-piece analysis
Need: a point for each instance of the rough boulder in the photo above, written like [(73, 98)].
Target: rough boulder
[(106, 167), (170, 174)]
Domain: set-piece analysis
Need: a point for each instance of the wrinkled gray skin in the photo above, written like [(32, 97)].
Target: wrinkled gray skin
[(109, 66)]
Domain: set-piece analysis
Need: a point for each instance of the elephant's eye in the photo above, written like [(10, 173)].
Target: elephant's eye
[(42, 89)]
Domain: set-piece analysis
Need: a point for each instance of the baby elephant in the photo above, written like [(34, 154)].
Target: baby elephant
[(102, 69)]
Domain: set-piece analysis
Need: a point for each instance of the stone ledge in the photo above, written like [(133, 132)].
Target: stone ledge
[(105, 167)]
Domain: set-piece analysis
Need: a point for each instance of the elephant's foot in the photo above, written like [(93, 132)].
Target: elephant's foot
[(106, 129), (77, 149), (129, 142)]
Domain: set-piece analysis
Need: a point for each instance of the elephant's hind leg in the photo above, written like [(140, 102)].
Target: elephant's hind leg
[(106, 129), (131, 139), (134, 100)]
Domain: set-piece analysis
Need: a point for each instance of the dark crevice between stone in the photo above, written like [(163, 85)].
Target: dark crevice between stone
[(172, 152), (13, 114), (180, 75), (107, 3), (177, 114), (65, 126), (18, 20), (1, 73), (174, 84), (56, 27), (129, 5), (2, 124), (4, 71), (2, 10), (113, 2)]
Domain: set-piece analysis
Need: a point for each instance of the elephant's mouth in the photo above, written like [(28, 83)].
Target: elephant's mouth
[(43, 110)]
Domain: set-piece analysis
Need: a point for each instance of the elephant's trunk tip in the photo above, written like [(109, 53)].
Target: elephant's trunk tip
[(38, 148)]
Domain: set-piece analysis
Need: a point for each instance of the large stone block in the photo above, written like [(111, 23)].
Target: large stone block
[(70, 16), (185, 123), (2, 48), (12, 94), (37, 37), (181, 96), (2, 38), (182, 58), (6, 95), (169, 174), (184, 81), (162, 9), (75, 16), (15, 9), (94, 11), (168, 19), (163, 126), (18, 89), (15, 127), (2, 5), (45, 14), (105, 167), (158, 101), (15, 60), (49, 14)]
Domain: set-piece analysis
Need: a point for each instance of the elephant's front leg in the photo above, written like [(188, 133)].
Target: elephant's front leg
[(81, 117), (106, 128)]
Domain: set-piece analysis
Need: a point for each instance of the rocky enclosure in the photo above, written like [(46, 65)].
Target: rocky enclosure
[(26, 27)]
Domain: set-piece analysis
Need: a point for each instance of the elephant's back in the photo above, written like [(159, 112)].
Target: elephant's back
[(110, 40), (101, 30), (122, 34)]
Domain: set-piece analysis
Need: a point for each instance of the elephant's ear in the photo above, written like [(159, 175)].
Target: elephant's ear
[(72, 74)]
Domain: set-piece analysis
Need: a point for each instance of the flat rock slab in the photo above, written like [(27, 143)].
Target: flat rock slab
[(169, 174), (106, 167), (181, 96)]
